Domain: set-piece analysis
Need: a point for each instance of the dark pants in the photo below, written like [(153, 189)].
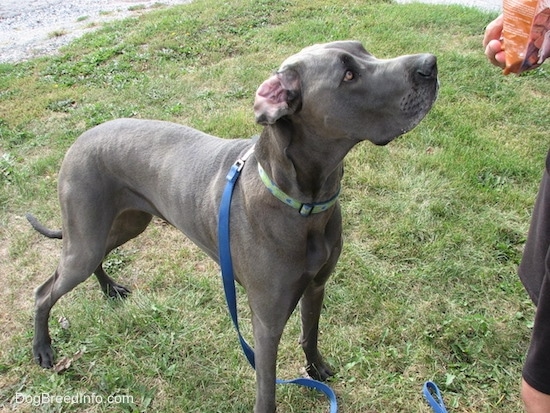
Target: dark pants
[(534, 271)]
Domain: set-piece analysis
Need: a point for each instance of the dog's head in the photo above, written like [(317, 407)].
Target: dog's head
[(341, 89)]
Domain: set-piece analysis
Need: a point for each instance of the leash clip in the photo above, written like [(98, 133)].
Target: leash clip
[(239, 165), (234, 172)]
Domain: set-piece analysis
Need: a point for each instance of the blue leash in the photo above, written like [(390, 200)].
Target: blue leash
[(430, 389), (228, 279), (226, 264)]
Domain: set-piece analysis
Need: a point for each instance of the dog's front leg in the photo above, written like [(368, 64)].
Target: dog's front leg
[(266, 343), (271, 308), (311, 305), (310, 308)]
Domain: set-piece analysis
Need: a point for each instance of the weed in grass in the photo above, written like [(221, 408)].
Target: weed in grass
[(136, 8), (64, 105), (57, 33), (7, 167), (117, 261)]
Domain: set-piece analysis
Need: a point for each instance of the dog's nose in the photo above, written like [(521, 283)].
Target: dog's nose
[(426, 66)]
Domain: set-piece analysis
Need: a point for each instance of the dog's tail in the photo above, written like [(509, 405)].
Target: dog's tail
[(50, 233)]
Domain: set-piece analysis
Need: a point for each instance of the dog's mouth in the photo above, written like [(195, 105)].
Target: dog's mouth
[(407, 99), (416, 104), (414, 111)]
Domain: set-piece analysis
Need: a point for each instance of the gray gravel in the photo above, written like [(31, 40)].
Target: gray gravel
[(31, 28), (486, 5)]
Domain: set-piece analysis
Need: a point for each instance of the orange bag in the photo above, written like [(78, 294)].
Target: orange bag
[(526, 34)]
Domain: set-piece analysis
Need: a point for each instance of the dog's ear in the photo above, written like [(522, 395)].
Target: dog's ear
[(277, 96)]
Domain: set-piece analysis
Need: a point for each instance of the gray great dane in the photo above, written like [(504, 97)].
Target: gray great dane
[(286, 228)]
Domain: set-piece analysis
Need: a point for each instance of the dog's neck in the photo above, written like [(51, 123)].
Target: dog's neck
[(306, 167)]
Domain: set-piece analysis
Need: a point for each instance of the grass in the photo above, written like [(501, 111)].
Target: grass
[(426, 287)]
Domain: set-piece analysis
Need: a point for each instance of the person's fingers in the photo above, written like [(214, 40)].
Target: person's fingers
[(495, 53), (493, 30)]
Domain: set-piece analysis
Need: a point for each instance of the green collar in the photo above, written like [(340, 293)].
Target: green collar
[(304, 209)]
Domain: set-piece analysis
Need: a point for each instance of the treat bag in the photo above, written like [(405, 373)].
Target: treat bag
[(526, 34)]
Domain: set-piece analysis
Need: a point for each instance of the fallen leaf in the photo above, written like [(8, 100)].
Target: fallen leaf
[(64, 364)]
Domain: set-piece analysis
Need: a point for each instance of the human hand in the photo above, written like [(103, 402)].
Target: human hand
[(492, 42)]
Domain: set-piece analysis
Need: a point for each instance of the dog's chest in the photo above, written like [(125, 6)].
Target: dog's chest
[(319, 250)]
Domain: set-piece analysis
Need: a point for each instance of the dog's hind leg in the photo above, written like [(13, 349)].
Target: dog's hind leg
[(75, 266), (127, 225), (85, 246), (110, 287), (86, 229)]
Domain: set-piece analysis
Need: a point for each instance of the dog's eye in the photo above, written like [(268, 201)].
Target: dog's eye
[(349, 76)]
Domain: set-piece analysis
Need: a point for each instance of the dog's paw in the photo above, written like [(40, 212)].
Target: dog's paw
[(319, 371), (117, 291), (44, 356)]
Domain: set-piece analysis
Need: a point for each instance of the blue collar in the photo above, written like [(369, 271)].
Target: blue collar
[(305, 209)]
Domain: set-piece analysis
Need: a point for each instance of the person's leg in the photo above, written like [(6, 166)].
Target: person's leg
[(534, 272), (532, 268), (533, 400), (535, 389)]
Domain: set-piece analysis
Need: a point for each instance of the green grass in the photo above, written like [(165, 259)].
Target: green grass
[(434, 223)]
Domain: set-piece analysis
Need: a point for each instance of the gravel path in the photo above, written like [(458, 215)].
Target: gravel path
[(486, 5), (31, 28)]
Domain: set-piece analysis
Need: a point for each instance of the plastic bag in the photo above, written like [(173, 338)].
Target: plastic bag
[(526, 34)]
